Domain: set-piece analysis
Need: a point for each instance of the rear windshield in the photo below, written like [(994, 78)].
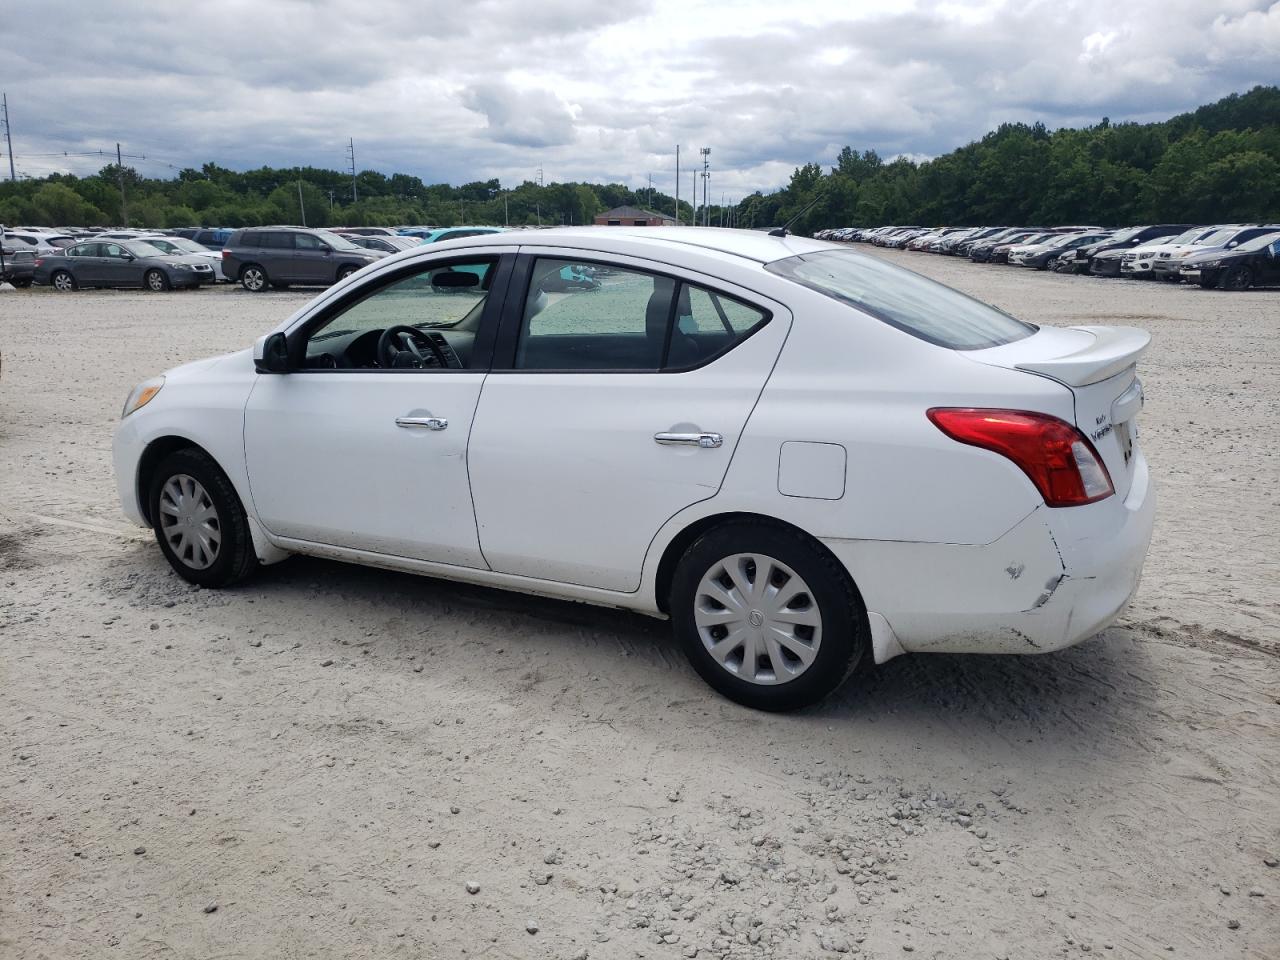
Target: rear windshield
[(903, 299)]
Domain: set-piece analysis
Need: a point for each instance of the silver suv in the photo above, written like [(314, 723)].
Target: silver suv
[(260, 257)]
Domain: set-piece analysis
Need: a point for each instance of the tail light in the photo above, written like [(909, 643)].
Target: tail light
[(39, 260), (1057, 457), (225, 253)]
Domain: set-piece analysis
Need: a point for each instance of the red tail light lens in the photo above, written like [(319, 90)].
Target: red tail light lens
[(225, 253), (1057, 457), (39, 260)]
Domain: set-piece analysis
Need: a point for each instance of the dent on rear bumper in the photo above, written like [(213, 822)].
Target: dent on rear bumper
[(1057, 578)]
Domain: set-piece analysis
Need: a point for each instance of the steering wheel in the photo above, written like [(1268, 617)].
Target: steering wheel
[(403, 346)]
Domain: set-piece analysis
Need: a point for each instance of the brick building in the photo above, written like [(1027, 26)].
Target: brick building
[(633, 217)]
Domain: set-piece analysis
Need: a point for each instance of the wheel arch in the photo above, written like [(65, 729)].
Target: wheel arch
[(676, 547), (155, 452), (161, 447)]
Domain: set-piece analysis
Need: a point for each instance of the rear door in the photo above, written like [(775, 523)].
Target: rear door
[(612, 406)]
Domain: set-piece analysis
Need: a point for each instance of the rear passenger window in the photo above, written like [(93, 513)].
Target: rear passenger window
[(582, 316), (278, 241)]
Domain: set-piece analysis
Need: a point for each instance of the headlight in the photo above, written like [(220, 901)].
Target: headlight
[(183, 266), (141, 395), (1208, 263)]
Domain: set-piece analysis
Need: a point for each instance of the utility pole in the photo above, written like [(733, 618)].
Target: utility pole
[(706, 180), (302, 208), (8, 136), (124, 203), (331, 201), (506, 212), (351, 148), (540, 175), (677, 184)]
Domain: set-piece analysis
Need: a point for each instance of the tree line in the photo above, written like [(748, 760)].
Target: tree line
[(1219, 163)]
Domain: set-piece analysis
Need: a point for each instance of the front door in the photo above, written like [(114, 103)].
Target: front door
[(312, 260), (365, 447), (617, 403), (119, 268)]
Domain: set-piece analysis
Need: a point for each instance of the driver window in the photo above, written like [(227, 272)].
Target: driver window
[(114, 250), (442, 304)]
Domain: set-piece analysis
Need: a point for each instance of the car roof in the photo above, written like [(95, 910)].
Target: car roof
[(752, 245)]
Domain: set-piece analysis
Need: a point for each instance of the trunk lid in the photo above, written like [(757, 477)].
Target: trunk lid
[(1099, 366)]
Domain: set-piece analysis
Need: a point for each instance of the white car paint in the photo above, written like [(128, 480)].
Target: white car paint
[(553, 484)]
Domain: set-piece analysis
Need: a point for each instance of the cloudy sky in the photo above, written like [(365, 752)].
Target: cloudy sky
[(458, 91)]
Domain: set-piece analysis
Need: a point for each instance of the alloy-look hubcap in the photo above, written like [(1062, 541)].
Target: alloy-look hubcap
[(189, 522), (758, 619)]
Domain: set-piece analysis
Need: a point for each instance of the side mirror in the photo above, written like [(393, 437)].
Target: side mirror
[(127, 257), (1232, 244), (271, 354)]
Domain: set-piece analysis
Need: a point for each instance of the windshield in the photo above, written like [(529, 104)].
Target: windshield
[(185, 245), (1188, 237), (337, 242), (140, 249), (1257, 243), (1123, 235), (903, 299), (1218, 237)]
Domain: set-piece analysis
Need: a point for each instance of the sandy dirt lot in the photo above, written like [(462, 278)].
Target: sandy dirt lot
[(319, 762)]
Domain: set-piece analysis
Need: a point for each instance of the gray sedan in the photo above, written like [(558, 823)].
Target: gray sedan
[(120, 263)]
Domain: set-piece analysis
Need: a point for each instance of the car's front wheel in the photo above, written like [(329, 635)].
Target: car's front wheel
[(345, 272), (1237, 278), (767, 616), (253, 278), (199, 521), (155, 281)]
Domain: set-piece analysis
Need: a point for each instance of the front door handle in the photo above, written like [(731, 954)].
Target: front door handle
[(431, 423), (708, 441)]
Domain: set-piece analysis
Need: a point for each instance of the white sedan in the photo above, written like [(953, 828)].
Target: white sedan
[(804, 456)]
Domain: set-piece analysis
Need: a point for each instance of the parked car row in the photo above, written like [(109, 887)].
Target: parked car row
[(259, 258), (1233, 256)]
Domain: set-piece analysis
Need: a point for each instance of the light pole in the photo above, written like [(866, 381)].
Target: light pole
[(706, 180)]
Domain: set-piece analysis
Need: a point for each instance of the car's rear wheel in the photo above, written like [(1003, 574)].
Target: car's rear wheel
[(767, 616), (155, 281), (62, 281), (199, 521), (1237, 278), (254, 278)]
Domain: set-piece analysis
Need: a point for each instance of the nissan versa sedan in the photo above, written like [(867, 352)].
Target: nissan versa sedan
[(120, 263), (806, 457)]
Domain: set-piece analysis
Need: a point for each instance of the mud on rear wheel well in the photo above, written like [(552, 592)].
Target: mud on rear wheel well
[(156, 451)]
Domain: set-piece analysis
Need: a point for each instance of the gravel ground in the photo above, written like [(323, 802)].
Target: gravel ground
[(338, 762)]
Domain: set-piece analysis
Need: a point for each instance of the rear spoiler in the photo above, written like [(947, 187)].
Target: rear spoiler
[(1113, 349)]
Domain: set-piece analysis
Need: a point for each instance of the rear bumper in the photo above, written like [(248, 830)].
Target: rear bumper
[(1057, 578)]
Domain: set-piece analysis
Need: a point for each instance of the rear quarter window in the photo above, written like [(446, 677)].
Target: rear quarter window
[(903, 299)]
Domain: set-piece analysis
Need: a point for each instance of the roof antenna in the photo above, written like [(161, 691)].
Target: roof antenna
[(782, 230)]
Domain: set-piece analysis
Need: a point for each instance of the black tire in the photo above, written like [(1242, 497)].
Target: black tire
[(63, 281), (253, 278), (155, 281), (845, 634), (22, 284), (344, 272), (1237, 278), (235, 558)]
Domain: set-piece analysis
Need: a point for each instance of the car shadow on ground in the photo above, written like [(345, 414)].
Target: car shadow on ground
[(1101, 684)]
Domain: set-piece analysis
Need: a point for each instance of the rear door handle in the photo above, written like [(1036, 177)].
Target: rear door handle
[(708, 441), (431, 423)]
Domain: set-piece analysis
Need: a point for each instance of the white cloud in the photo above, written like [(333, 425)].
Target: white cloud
[(459, 92)]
